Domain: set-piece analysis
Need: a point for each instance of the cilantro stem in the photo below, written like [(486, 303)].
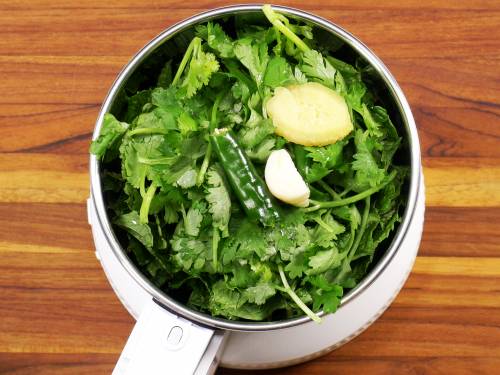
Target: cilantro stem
[(344, 193), (204, 165), (146, 131), (213, 117), (321, 223), (215, 245), (342, 202), (235, 72), (146, 202), (142, 187), (364, 220), (208, 153), (164, 160), (183, 212), (328, 189), (274, 19), (296, 298), (357, 241), (185, 60)]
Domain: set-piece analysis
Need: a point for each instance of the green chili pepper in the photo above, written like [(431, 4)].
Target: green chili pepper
[(248, 186)]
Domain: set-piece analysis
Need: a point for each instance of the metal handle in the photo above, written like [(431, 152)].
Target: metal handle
[(162, 343)]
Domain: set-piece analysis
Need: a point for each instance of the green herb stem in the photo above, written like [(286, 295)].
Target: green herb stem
[(321, 223), (146, 202), (164, 160), (355, 198), (296, 298), (274, 19), (215, 245), (344, 193), (146, 131), (364, 220), (235, 72), (204, 165), (357, 241), (215, 108), (142, 186), (328, 189), (208, 153), (185, 60)]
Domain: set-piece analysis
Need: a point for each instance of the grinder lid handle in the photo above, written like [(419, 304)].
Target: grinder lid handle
[(163, 343)]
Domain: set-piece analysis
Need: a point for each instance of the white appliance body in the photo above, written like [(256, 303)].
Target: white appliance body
[(284, 347)]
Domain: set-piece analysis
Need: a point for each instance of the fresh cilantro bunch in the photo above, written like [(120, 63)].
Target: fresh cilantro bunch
[(177, 216)]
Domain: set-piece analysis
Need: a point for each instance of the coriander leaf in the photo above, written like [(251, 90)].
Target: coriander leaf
[(240, 91), (325, 293), (219, 200), (176, 170), (166, 76), (135, 104), (372, 126), (368, 174), (260, 293), (354, 95), (230, 303), (166, 98), (169, 195), (327, 300), (198, 299), (318, 68), (216, 39), (157, 272), (133, 171), (250, 137), (190, 253), (388, 197), (262, 151), (242, 275), (300, 77), (187, 179), (348, 213), (253, 56), (297, 266), (327, 230), (186, 123), (343, 67), (316, 172), (248, 239), (142, 256), (349, 83), (278, 73), (201, 68), (324, 260), (193, 218), (111, 131), (158, 120), (388, 140), (328, 156), (131, 223), (171, 215)]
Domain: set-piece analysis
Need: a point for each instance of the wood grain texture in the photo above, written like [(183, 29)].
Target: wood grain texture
[(59, 177), (57, 60)]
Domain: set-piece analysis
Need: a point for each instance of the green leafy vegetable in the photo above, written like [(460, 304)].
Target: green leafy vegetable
[(112, 130), (318, 68), (182, 173), (278, 72), (219, 200)]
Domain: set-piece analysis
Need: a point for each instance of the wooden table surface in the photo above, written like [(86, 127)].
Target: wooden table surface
[(58, 315)]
